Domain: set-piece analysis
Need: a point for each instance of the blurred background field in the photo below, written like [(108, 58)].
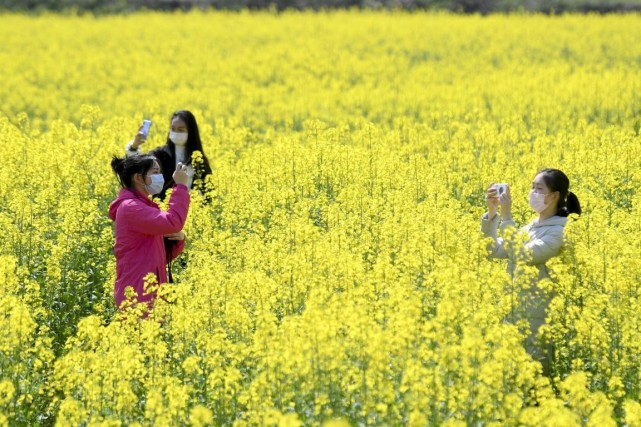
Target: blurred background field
[(335, 270), (458, 6)]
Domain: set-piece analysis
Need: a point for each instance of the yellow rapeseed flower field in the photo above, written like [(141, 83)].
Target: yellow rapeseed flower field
[(335, 273)]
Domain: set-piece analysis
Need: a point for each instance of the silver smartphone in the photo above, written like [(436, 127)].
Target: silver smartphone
[(146, 124), (500, 189)]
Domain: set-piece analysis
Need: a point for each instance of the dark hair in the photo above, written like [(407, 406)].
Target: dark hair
[(193, 138), (126, 167), (556, 180)]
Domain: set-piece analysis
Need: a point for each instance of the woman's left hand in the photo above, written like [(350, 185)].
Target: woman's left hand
[(176, 236)]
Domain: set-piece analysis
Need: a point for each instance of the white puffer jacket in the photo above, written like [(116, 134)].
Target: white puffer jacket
[(545, 242)]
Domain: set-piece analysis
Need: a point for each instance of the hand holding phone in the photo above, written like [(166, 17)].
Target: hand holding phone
[(500, 189), (141, 136), (502, 193), (180, 175)]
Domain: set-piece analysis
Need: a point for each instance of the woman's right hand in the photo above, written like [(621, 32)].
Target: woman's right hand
[(506, 204), (180, 175), (139, 139)]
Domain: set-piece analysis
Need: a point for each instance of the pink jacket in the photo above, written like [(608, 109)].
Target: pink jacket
[(139, 247)]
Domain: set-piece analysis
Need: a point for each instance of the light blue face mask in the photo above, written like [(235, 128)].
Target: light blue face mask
[(157, 183)]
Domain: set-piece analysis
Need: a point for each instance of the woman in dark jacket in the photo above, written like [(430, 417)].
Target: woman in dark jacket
[(183, 139)]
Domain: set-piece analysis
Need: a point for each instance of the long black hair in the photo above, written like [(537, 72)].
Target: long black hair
[(193, 139), (126, 167), (556, 180)]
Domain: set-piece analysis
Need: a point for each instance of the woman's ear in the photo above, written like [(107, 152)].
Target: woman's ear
[(138, 179)]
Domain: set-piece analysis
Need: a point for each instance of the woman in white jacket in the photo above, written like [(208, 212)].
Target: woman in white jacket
[(551, 199)]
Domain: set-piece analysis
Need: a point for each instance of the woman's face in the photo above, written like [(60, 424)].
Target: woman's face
[(154, 170), (539, 187), (178, 124)]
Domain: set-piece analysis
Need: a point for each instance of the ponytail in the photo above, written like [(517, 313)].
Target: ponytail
[(556, 180), (118, 166), (570, 206)]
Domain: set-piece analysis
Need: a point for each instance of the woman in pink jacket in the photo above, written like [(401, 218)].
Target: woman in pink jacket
[(141, 225)]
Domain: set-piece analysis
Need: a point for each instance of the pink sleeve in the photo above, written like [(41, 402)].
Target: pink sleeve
[(146, 219)]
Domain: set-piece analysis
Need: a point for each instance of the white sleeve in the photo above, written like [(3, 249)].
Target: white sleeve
[(130, 151), (545, 247), (489, 229)]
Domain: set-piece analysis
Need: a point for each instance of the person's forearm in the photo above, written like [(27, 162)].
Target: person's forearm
[(506, 212), (132, 148), (491, 213)]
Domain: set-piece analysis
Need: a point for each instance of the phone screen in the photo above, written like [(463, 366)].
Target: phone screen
[(145, 127)]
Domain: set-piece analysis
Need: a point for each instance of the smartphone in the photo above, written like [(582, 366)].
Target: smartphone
[(500, 189), (146, 124)]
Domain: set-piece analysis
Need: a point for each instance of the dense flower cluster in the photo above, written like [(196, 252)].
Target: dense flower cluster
[(334, 272)]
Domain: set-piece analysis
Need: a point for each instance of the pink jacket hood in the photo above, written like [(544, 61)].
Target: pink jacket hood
[(139, 247)]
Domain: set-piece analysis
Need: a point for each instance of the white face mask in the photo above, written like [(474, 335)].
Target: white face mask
[(178, 138), (537, 201), (157, 183)]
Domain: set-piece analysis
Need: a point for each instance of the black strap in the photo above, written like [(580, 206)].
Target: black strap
[(169, 244), (170, 277)]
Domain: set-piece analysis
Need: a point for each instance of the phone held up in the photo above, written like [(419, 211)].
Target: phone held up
[(500, 189), (146, 124)]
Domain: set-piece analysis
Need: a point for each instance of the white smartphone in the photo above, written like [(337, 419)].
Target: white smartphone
[(500, 189), (146, 124)]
